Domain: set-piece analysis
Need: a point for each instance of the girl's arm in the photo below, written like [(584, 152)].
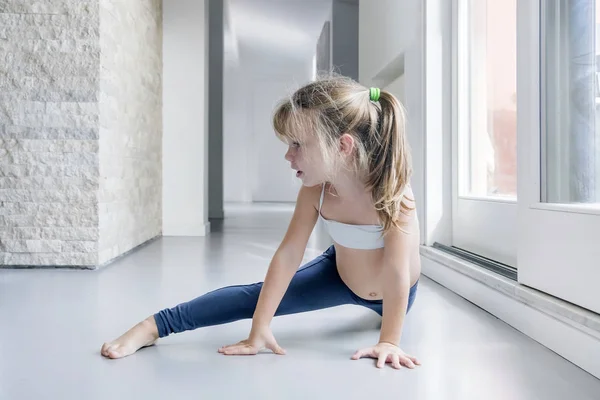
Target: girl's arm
[(287, 258), (396, 289), (396, 277)]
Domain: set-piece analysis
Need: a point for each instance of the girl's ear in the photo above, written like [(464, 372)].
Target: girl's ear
[(346, 144)]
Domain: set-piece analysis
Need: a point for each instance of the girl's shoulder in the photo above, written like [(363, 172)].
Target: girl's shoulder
[(311, 194)]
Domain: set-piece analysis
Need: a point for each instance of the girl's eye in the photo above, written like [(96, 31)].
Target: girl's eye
[(296, 144)]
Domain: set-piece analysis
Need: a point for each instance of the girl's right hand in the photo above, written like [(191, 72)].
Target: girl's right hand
[(258, 339)]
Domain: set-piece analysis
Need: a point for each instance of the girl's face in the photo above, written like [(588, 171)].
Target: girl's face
[(304, 157)]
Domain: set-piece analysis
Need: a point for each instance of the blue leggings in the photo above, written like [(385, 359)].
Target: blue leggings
[(316, 285)]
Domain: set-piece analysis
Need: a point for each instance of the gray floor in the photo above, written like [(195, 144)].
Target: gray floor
[(53, 323)]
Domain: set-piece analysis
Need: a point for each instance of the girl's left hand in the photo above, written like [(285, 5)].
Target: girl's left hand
[(387, 352)]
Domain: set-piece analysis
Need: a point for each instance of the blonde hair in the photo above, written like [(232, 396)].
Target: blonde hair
[(336, 105)]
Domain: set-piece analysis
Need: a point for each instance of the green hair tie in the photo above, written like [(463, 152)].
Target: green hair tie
[(374, 93)]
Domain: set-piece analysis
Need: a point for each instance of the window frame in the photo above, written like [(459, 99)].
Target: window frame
[(482, 225), (559, 260)]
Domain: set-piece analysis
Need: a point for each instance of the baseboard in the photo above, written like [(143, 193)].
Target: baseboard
[(579, 346), (53, 266)]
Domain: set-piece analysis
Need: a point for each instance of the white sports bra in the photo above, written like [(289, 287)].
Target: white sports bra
[(363, 237)]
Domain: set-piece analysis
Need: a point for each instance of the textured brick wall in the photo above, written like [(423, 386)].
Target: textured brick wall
[(130, 197), (49, 56), (80, 130)]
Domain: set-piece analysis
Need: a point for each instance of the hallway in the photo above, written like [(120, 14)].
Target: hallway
[(55, 321)]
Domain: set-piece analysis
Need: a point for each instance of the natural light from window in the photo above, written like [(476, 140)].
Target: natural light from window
[(488, 94), (571, 114)]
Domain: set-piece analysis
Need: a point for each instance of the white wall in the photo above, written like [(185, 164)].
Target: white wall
[(387, 29), (237, 165), (255, 168), (185, 140), (398, 88)]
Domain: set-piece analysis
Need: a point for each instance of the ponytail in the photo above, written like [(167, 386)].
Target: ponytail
[(390, 163)]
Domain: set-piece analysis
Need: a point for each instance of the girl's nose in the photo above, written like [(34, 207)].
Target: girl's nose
[(288, 154)]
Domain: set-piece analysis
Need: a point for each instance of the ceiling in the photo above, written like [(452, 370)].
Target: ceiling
[(285, 27)]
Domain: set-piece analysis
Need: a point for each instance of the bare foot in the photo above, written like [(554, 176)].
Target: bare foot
[(141, 335)]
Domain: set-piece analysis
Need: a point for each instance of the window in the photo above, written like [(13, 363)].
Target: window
[(559, 209), (526, 141), (485, 134), (488, 85), (571, 127)]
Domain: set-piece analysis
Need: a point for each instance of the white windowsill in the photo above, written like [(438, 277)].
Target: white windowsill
[(490, 199), (590, 208), (577, 317)]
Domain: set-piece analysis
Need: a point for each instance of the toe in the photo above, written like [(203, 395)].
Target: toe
[(114, 353)]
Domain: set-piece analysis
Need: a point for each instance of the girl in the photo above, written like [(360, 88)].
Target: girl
[(348, 145)]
